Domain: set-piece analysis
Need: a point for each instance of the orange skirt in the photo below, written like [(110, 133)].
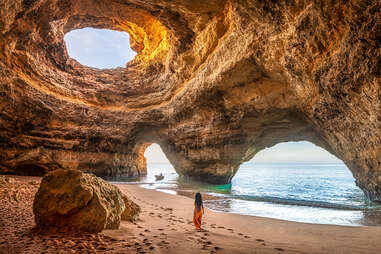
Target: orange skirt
[(197, 216)]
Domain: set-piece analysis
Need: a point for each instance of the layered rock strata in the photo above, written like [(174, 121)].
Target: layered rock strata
[(213, 83), (73, 200)]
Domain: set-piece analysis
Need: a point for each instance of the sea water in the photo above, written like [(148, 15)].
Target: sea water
[(311, 193)]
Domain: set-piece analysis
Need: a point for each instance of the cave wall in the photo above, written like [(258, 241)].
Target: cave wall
[(213, 83)]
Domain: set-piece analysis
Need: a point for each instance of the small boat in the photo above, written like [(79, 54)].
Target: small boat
[(159, 177)]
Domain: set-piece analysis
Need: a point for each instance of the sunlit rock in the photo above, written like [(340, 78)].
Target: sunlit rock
[(213, 83), (132, 211), (73, 200)]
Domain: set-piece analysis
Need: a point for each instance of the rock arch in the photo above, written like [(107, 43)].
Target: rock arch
[(213, 83)]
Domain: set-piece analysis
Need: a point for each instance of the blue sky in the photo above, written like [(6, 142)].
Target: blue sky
[(99, 48), (102, 48)]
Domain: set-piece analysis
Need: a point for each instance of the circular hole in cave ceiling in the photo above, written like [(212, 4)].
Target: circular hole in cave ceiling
[(99, 48)]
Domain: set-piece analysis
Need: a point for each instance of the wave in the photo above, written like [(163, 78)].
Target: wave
[(298, 202)]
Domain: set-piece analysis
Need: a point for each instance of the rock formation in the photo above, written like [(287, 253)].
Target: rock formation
[(213, 83), (71, 199), (131, 213)]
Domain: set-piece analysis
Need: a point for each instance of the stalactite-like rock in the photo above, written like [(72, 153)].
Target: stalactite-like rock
[(213, 83)]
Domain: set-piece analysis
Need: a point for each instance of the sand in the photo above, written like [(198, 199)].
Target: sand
[(165, 226)]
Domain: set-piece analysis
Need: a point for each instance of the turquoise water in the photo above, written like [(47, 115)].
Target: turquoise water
[(312, 193)]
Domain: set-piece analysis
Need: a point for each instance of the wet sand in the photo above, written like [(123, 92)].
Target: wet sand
[(165, 226)]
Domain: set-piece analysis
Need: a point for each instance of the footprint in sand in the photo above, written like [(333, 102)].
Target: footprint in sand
[(279, 249), (140, 250), (160, 229), (199, 240), (221, 227), (163, 243), (246, 236), (146, 230), (240, 234), (259, 240)]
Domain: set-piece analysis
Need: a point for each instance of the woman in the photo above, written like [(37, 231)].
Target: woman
[(198, 211)]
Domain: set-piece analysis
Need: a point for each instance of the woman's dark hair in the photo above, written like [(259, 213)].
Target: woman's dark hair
[(198, 201)]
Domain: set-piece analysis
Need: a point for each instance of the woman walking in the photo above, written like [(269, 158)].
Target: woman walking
[(198, 211)]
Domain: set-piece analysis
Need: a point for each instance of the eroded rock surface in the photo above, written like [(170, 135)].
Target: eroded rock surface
[(213, 83), (132, 211), (73, 200)]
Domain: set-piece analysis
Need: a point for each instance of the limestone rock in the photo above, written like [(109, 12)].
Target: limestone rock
[(74, 200), (3, 181), (213, 83), (131, 213)]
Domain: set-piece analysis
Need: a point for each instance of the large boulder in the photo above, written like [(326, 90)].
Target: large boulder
[(131, 213), (74, 200)]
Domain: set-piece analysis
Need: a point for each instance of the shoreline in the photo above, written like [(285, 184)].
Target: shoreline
[(370, 217), (165, 226), (247, 231), (322, 195), (190, 194)]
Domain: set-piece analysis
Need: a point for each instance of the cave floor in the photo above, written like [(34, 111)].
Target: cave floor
[(165, 226)]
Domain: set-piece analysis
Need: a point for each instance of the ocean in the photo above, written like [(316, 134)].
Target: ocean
[(310, 193)]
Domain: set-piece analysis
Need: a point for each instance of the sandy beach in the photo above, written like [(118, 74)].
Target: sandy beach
[(165, 226)]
